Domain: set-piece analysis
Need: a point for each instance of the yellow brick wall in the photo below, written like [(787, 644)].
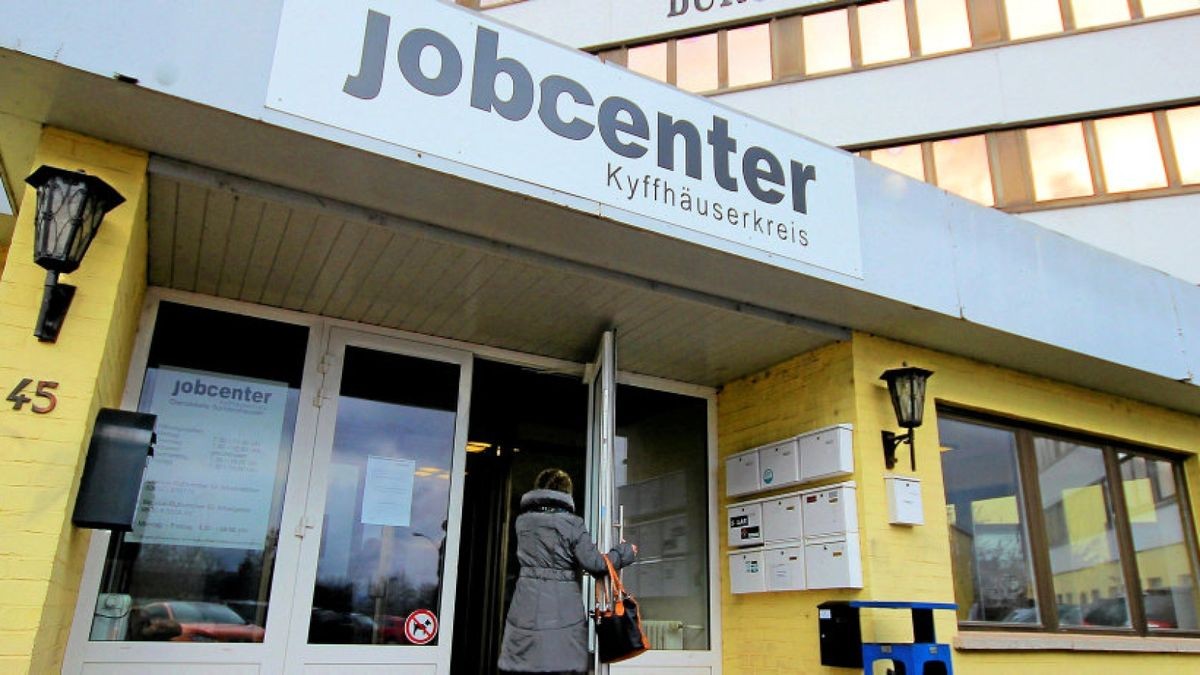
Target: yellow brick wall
[(41, 553), (970, 384), (776, 633)]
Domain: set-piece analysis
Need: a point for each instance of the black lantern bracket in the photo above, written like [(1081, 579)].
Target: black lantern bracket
[(906, 388), (56, 300), (71, 205), (891, 441)]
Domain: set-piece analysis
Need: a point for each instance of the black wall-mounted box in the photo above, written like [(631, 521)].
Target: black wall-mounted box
[(112, 472), (841, 635)]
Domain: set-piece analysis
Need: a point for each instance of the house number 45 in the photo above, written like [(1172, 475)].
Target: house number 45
[(43, 390)]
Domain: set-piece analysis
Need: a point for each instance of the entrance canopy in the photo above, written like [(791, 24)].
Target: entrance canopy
[(508, 227)]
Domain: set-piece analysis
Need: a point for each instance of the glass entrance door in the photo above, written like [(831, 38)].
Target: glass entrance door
[(373, 590)]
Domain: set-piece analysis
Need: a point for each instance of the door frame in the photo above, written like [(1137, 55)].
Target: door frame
[(299, 653), (80, 649)]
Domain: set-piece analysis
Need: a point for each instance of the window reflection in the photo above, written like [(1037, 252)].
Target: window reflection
[(989, 547), (942, 25), (1090, 13), (962, 167), (197, 566), (1059, 161), (1159, 7), (826, 42), (661, 454), (1029, 18), (649, 60), (1084, 558), (883, 32), (382, 552), (907, 159), (1184, 124), (696, 63), (1163, 560), (749, 52), (1129, 153)]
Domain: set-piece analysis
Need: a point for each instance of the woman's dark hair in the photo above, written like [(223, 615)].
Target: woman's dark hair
[(554, 479)]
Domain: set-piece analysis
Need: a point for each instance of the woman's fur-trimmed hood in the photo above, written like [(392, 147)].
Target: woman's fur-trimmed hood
[(547, 498)]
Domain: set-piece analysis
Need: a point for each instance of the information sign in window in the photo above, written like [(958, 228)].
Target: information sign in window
[(197, 566)]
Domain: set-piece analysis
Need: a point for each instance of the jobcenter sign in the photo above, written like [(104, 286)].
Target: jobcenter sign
[(440, 80)]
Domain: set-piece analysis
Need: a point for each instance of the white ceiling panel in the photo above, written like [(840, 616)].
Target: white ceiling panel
[(261, 244)]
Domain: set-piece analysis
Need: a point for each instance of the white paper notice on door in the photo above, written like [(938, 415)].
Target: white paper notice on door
[(211, 480), (387, 495)]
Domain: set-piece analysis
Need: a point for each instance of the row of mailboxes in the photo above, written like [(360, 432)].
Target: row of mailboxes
[(824, 453), (812, 564), (817, 512)]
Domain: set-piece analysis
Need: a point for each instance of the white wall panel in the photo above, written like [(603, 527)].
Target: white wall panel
[(217, 51), (1161, 233), (1048, 287), (1188, 306), (905, 227)]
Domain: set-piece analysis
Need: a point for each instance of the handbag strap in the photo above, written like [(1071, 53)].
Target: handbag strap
[(618, 589)]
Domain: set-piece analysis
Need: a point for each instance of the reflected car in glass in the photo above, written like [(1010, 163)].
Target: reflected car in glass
[(1068, 615), (191, 621), (1114, 612)]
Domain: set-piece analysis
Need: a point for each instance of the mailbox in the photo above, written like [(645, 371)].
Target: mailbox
[(841, 635), (112, 472), (745, 524)]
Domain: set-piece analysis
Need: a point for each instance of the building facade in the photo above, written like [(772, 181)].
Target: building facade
[(1078, 115), (379, 263)]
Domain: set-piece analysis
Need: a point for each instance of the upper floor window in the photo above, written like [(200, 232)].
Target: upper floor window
[(1160, 7), (1089, 13), (826, 42), (942, 25), (1030, 18), (1184, 126), (749, 55), (696, 68), (1058, 158), (1151, 153), (1065, 533), (883, 32)]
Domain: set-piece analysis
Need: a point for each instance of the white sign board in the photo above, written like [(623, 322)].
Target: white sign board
[(588, 23), (212, 477), (440, 80), (387, 495)]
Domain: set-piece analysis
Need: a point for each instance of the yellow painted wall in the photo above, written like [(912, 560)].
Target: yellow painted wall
[(776, 633), (41, 553)]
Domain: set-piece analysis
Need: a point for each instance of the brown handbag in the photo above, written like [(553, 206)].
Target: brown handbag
[(619, 634)]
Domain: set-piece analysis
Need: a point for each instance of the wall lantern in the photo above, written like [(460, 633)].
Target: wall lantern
[(70, 207), (906, 386)]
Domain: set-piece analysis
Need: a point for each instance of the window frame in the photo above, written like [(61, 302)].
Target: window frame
[(1030, 501)]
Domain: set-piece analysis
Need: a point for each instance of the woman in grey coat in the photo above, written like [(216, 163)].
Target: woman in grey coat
[(546, 629)]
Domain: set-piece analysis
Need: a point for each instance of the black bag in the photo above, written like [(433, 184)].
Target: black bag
[(619, 633)]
